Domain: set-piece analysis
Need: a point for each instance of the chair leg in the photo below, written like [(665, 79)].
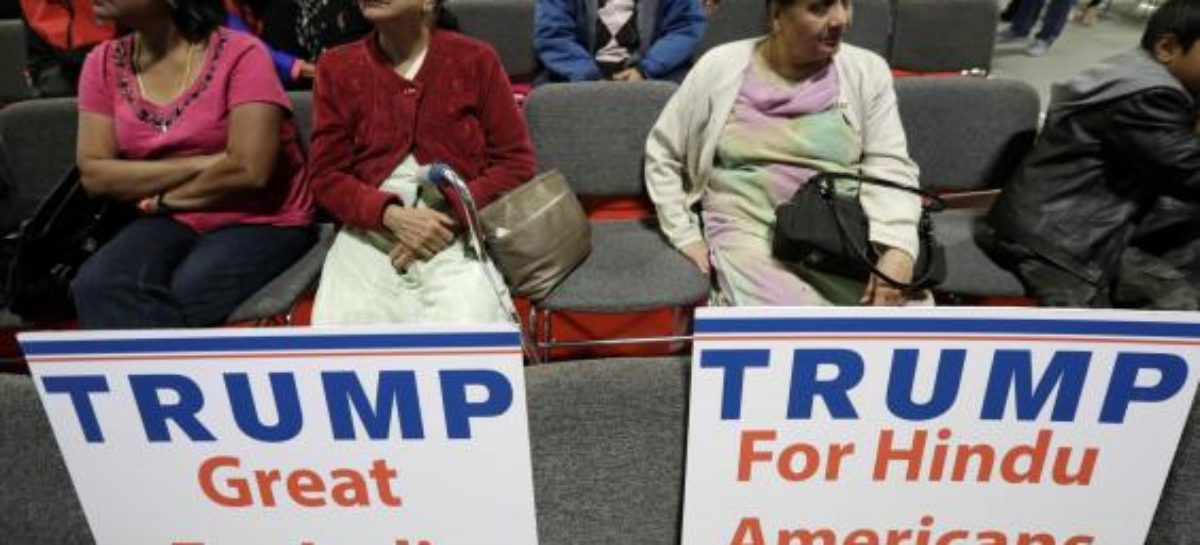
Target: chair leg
[(548, 327), (529, 338), (537, 332), (682, 318), (678, 339)]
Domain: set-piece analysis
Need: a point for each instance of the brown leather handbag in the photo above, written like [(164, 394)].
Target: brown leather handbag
[(537, 234)]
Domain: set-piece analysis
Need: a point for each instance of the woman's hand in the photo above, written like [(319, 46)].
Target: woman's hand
[(306, 70), (420, 233), (400, 257), (897, 265), (629, 74), (697, 253)]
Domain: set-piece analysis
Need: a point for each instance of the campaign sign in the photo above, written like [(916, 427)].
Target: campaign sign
[(394, 436), (863, 426)]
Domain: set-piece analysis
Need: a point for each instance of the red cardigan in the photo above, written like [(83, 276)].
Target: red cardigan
[(458, 110)]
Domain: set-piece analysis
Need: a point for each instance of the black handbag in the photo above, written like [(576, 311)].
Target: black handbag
[(66, 229), (827, 230)]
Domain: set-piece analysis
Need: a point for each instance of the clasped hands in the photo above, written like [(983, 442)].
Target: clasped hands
[(895, 263), (420, 233)]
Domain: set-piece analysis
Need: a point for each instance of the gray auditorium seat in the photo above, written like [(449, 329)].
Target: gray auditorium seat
[(505, 24), (277, 297), (872, 26), (37, 147), (943, 35), (37, 500), (968, 134), (595, 133), (13, 85), (735, 20), (302, 114), (38, 143)]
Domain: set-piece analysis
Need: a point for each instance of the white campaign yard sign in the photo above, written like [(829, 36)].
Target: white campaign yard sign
[(366, 436), (860, 426)]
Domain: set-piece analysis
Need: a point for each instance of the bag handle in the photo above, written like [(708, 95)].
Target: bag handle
[(933, 203)]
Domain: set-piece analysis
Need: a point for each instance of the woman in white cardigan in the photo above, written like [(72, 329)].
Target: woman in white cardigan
[(753, 121)]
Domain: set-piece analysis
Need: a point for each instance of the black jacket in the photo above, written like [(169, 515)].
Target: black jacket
[(1117, 138)]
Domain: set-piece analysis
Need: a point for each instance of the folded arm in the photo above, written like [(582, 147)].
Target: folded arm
[(103, 174), (247, 164)]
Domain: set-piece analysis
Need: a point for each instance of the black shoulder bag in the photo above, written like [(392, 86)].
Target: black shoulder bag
[(65, 230), (828, 231)]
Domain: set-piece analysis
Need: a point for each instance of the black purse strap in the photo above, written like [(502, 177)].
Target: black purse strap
[(932, 203)]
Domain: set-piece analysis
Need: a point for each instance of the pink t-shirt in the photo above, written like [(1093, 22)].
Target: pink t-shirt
[(236, 70)]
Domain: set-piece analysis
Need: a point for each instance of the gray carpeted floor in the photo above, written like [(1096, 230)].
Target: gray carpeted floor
[(1119, 29)]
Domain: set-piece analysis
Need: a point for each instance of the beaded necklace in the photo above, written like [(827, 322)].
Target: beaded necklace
[(124, 52)]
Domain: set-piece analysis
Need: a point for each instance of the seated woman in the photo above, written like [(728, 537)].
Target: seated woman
[(407, 95), (189, 120), (751, 124)]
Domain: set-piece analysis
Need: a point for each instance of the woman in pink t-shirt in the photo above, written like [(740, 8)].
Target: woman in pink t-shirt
[(188, 120)]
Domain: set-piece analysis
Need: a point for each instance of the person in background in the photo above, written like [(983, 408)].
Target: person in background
[(1026, 17), (307, 28), (1104, 210), (187, 119), (59, 34), (410, 94), (1010, 11), (620, 40), (247, 16), (753, 122)]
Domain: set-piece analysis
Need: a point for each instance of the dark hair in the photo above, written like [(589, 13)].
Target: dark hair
[(256, 7), (196, 19), (442, 18), (1178, 18)]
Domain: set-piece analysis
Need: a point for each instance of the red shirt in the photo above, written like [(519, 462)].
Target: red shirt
[(67, 25), (459, 110)]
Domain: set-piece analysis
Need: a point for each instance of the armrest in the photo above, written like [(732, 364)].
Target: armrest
[(973, 200)]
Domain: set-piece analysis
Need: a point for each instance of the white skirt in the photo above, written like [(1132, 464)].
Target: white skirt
[(359, 286)]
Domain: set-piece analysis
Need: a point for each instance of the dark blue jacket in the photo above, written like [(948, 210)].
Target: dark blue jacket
[(670, 32)]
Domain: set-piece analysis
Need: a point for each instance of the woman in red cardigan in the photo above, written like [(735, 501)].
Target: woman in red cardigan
[(410, 94)]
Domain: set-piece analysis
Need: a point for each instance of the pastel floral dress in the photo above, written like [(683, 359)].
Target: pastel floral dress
[(779, 135)]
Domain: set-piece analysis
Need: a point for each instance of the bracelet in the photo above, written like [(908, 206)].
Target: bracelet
[(160, 206)]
